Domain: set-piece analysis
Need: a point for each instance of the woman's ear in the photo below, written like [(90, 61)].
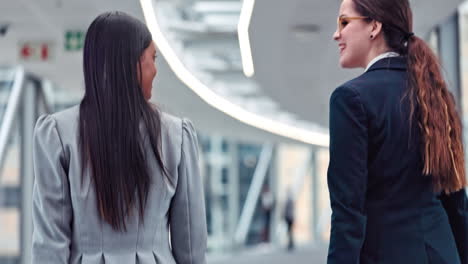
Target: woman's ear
[(376, 28)]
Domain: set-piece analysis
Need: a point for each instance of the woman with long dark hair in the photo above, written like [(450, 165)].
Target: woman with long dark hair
[(116, 180), (397, 173)]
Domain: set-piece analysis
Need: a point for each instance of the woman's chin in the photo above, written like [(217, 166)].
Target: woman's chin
[(147, 97), (343, 62), (346, 64)]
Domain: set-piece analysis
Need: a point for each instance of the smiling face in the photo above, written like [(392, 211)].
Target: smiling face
[(148, 70), (353, 36)]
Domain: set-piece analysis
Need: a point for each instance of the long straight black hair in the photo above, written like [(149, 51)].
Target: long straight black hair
[(111, 113)]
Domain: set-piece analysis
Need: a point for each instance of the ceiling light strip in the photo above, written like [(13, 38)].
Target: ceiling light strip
[(244, 39), (221, 103)]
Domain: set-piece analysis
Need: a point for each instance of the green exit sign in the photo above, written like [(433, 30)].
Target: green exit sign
[(74, 40)]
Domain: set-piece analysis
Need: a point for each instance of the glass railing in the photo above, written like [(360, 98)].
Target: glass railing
[(22, 100)]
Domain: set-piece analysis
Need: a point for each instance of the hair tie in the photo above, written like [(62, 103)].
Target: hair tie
[(409, 35)]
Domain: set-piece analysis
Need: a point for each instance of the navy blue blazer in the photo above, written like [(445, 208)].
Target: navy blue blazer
[(384, 209)]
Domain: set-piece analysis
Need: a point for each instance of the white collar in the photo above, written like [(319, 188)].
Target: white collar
[(382, 56)]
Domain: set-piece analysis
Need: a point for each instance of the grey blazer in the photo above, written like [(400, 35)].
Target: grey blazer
[(67, 228)]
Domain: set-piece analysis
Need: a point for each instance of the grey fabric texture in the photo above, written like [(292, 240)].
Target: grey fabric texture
[(67, 226)]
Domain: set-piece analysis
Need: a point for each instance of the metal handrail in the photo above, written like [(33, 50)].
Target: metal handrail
[(14, 101), (44, 97)]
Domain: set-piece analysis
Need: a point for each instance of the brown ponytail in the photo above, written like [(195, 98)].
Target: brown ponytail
[(439, 122), (432, 105)]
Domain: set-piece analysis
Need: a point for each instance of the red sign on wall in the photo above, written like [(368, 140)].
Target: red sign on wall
[(35, 51)]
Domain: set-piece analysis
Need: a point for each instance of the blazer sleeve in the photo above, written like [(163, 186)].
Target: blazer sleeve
[(456, 206), (347, 176), (187, 211), (52, 211)]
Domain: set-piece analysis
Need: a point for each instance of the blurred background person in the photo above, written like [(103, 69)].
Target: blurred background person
[(268, 203), (395, 145), (116, 179), (289, 218)]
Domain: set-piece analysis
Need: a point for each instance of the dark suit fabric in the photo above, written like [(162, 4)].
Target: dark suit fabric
[(384, 209)]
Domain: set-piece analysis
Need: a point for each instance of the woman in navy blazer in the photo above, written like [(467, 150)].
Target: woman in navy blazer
[(396, 174)]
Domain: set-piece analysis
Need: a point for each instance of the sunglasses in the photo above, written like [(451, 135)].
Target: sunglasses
[(343, 21)]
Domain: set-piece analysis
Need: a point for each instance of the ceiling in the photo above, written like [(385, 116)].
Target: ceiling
[(294, 56), (294, 67)]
